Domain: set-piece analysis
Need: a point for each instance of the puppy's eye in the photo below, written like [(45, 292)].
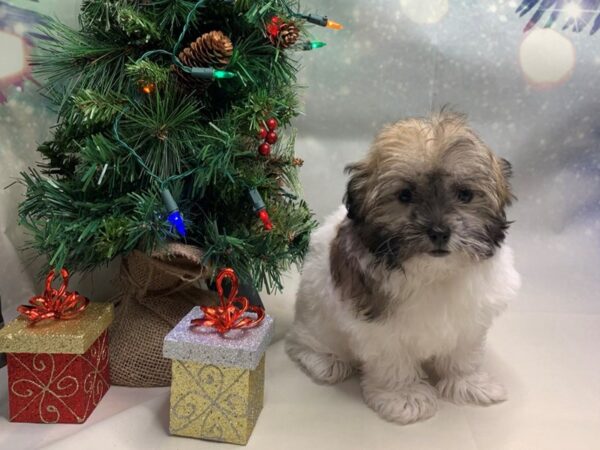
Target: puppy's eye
[(405, 196), (465, 195)]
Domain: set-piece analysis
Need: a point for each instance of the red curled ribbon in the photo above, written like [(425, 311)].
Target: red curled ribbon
[(232, 313), (54, 303)]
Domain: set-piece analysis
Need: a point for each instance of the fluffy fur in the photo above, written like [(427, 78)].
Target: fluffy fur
[(410, 272)]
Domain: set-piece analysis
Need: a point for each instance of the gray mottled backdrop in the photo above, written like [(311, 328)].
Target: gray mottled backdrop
[(533, 98)]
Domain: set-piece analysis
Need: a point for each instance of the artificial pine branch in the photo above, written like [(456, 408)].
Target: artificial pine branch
[(94, 108), (148, 71), (114, 148)]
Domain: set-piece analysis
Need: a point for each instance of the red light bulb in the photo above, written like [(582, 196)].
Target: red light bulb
[(266, 220)]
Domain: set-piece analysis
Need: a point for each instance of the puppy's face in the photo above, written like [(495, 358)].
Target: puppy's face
[(429, 187)]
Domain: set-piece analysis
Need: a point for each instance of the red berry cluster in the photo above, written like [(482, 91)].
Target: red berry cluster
[(274, 27), (269, 136)]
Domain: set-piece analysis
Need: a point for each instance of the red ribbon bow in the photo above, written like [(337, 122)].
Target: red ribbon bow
[(232, 314), (54, 303)]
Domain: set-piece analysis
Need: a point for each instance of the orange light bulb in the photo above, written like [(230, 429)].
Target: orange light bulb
[(148, 88), (334, 25)]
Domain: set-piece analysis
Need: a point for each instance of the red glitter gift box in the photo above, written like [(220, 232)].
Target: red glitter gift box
[(57, 369)]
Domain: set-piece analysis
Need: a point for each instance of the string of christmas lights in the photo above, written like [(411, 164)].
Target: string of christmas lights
[(260, 209), (174, 216), (316, 19), (322, 21), (312, 45)]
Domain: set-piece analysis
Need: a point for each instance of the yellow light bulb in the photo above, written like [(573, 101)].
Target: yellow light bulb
[(334, 25)]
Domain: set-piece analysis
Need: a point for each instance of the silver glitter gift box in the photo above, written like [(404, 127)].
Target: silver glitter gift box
[(218, 381)]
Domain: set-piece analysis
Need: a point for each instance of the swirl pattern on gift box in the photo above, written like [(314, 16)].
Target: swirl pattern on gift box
[(45, 386), (50, 383), (54, 303), (214, 401), (95, 383)]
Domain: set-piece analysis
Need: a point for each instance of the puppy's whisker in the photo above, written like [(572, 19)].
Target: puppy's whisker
[(384, 246)]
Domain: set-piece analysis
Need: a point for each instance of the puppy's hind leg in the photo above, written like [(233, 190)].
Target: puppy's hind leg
[(323, 366)]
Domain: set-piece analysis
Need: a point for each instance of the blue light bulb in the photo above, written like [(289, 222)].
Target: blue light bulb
[(176, 220), (174, 216)]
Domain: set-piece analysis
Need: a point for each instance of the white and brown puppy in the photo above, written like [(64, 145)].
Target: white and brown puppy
[(410, 272)]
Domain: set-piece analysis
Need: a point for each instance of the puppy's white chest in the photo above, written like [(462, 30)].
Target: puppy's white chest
[(430, 320), (425, 321)]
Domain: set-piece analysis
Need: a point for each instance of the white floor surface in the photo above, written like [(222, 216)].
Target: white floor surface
[(550, 363)]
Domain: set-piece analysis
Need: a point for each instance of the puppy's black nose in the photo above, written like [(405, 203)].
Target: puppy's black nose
[(439, 235)]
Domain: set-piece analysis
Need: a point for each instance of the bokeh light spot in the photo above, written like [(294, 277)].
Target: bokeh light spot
[(12, 50), (547, 58), (424, 11)]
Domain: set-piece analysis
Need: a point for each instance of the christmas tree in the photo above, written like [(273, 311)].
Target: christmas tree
[(170, 115)]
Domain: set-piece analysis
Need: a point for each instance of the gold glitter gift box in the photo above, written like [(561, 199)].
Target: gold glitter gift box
[(57, 369), (218, 382)]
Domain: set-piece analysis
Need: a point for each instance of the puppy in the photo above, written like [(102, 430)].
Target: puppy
[(411, 272)]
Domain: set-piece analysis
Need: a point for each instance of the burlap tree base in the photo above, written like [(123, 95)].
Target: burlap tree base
[(158, 291)]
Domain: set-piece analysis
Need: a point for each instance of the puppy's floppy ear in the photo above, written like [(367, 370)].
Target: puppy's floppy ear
[(507, 173), (506, 167), (356, 190)]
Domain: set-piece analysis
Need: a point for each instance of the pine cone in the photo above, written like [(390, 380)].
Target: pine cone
[(212, 49), (288, 35)]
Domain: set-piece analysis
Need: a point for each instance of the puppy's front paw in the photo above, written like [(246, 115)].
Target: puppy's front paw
[(478, 388), (324, 368), (406, 405)]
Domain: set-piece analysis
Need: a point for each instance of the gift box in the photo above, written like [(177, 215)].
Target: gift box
[(218, 380), (2, 357), (57, 369)]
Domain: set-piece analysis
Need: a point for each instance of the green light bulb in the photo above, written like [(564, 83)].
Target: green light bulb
[(311, 45), (220, 74)]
